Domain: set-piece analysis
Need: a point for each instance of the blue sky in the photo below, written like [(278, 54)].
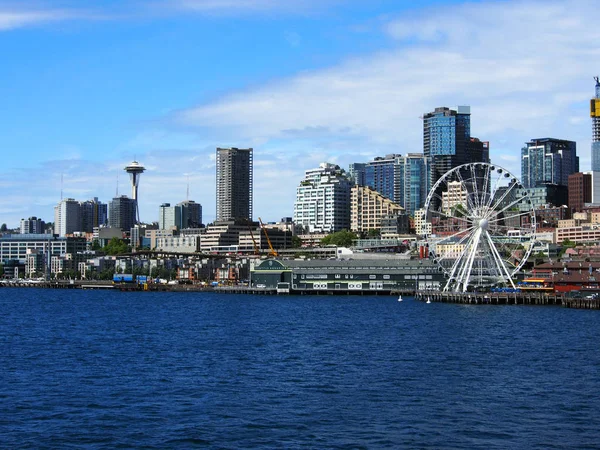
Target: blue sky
[(86, 87)]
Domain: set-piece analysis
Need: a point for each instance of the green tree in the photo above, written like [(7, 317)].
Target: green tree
[(96, 245), (296, 242), (106, 274), (342, 238), (566, 244), (374, 233), (3, 227), (117, 246)]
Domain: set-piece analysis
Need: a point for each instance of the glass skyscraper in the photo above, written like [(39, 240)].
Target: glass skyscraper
[(401, 179), (548, 161), (446, 138)]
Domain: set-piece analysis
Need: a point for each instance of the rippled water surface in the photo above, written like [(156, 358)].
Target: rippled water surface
[(91, 369)]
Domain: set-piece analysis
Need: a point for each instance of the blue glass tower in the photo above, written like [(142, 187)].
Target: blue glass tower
[(446, 139), (548, 161)]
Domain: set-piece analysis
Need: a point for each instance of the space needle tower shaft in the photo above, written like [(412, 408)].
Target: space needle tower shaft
[(135, 169)]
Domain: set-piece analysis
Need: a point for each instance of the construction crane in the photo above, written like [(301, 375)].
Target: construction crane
[(272, 251), (256, 249)]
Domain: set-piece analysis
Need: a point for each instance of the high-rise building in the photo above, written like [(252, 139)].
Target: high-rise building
[(135, 169), (234, 183), (411, 175), (33, 225), (67, 217), (190, 214), (447, 141), (122, 213), (446, 132), (399, 178), (595, 115), (548, 161), (93, 214), (168, 217), (380, 175), (323, 200), (580, 191)]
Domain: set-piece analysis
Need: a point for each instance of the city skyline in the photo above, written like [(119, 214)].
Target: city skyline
[(89, 89)]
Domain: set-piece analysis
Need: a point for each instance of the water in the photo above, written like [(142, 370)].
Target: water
[(91, 369)]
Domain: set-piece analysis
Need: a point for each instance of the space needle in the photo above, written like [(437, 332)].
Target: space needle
[(135, 169)]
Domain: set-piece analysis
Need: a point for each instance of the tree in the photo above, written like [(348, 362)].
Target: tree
[(374, 233), (342, 238), (567, 243), (96, 245), (117, 246), (3, 227), (296, 242)]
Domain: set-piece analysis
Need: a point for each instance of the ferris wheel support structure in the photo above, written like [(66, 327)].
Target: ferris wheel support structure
[(480, 226)]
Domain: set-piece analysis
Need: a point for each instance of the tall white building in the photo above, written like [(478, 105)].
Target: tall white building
[(323, 200), (67, 217)]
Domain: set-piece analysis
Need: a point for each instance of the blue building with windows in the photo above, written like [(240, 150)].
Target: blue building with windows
[(447, 141), (548, 161), (402, 179)]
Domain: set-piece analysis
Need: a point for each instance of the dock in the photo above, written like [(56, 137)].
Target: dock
[(512, 298)]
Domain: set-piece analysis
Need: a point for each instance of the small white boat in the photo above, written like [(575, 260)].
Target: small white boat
[(399, 298)]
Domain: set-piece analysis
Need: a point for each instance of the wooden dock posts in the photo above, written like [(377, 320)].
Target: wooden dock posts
[(509, 298)]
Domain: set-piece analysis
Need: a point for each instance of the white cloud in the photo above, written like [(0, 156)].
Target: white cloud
[(236, 7), (17, 19), (524, 67)]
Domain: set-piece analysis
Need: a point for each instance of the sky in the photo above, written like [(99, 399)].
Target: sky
[(88, 87)]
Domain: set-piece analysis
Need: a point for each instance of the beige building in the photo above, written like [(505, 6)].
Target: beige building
[(450, 250), (368, 207), (579, 234), (456, 195), (422, 227)]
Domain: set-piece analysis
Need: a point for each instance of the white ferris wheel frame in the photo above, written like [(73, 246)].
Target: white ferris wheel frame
[(484, 213)]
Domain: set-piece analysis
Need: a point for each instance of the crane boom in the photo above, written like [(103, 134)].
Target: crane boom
[(256, 249), (272, 251)]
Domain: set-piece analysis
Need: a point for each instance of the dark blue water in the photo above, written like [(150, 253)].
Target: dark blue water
[(90, 369)]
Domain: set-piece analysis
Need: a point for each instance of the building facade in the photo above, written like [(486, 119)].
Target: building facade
[(16, 246), (323, 200), (122, 213), (402, 179), (412, 174), (190, 214), (446, 137), (169, 217), (93, 214), (368, 207), (580, 191), (548, 161), (33, 225), (67, 217), (234, 168)]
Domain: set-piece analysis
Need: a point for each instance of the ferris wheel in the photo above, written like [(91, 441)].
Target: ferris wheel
[(479, 226)]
